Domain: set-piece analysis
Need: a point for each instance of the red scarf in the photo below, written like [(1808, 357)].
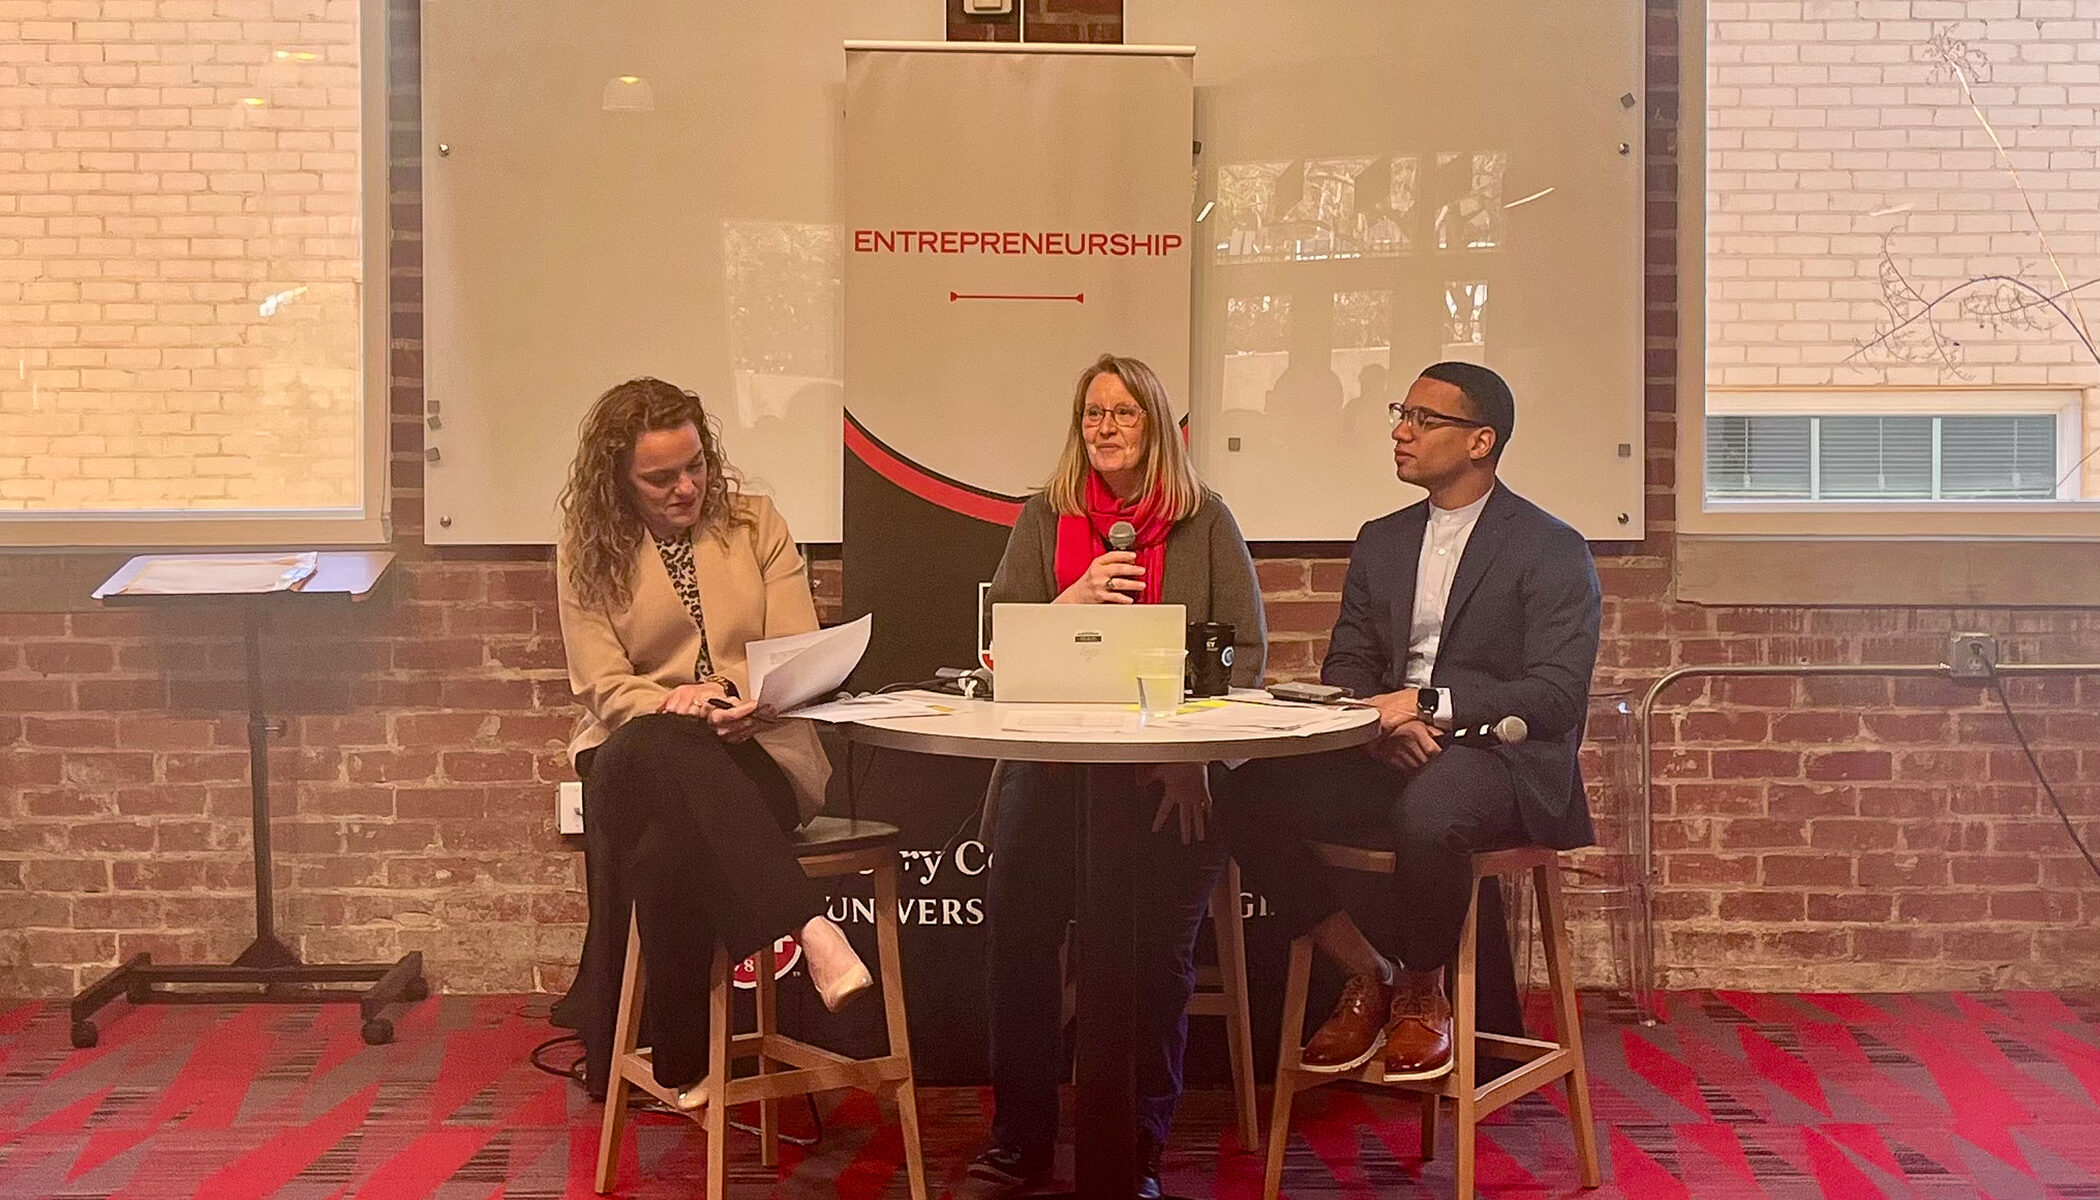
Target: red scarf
[(1082, 539)]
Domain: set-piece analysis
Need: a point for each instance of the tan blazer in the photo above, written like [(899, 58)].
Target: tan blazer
[(752, 585)]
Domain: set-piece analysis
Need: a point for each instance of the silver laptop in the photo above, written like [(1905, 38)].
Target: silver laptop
[(1078, 653)]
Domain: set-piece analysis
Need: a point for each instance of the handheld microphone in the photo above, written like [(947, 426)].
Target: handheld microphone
[(1122, 535), (1506, 732)]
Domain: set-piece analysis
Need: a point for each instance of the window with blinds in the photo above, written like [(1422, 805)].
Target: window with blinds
[(1912, 457)]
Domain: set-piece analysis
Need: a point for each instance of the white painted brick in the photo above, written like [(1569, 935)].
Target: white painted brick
[(1766, 52), (143, 296)]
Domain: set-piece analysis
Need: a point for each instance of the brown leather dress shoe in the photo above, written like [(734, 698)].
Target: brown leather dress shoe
[(1349, 1037), (1419, 1046)]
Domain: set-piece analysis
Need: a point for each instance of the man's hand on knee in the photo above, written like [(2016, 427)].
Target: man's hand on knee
[(1408, 747)]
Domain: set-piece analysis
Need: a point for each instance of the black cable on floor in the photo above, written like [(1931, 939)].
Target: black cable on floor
[(1998, 685), (572, 1072)]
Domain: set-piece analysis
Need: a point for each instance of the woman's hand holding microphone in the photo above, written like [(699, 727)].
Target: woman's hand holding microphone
[(1113, 578)]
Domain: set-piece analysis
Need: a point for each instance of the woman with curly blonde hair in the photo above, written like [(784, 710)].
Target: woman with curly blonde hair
[(665, 570)]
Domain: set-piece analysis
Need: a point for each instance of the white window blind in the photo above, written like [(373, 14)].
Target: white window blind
[(1874, 458), (1998, 457), (1905, 457), (1758, 457)]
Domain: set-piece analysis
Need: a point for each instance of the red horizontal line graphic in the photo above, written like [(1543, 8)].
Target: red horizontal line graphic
[(1076, 298)]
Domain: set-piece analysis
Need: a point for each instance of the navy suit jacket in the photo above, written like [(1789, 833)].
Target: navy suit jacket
[(1519, 639)]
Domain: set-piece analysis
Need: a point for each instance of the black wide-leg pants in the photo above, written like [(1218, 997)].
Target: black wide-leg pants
[(697, 833)]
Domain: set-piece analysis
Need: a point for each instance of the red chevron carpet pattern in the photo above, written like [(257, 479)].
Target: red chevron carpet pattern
[(1736, 1097)]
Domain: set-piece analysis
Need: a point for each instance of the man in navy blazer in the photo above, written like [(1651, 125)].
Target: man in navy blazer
[(1468, 607)]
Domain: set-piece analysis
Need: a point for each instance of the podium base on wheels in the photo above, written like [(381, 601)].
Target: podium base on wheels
[(265, 964)]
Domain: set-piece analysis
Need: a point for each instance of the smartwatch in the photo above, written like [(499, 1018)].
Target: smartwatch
[(1427, 701)]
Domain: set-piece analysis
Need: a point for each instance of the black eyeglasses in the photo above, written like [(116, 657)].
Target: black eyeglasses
[(1424, 419), (1124, 415)]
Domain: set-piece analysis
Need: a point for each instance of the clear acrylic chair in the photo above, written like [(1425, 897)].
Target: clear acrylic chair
[(1603, 885)]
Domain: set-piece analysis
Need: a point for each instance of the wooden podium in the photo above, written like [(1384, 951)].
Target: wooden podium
[(267, 963)]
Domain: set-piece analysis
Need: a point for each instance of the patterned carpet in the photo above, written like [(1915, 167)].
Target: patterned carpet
[(1736, 1096)]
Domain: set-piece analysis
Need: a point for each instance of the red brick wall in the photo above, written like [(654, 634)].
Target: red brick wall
[(1835, 835)]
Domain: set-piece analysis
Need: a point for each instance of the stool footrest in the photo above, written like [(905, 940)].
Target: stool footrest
[(781, 1048), (634, 1067), (1514, 1085), (1532, 1053), (867, 1074), (1520, 1049)]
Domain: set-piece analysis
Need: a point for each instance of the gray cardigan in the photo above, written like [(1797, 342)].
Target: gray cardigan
[(1208, 572)]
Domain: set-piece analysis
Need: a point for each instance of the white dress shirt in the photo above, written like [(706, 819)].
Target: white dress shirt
[(1443, 544)]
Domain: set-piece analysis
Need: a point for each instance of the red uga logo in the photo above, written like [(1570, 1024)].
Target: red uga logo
[(786, 953)]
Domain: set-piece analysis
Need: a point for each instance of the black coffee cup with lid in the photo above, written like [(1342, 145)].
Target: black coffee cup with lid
[(1210, 658)]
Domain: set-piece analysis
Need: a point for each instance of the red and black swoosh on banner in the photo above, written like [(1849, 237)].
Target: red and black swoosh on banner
[(928, 485), (917, 544)]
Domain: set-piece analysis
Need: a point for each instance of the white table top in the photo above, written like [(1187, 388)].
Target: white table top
[(977, 729)]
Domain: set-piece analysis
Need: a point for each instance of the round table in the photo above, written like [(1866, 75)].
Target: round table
[(1111, 820)]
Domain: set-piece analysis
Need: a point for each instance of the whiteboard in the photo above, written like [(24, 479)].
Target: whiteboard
[(641, 188), (1367, 166), (574, 238)]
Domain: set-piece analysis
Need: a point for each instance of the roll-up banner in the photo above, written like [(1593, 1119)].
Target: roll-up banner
[(1011, 213)]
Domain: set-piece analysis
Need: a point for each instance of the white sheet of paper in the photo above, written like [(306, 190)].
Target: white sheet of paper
[(1068, 720), (870, 708), (1246, 718), (1340, 720), (790, 671), (1295, 720), (221, 574)]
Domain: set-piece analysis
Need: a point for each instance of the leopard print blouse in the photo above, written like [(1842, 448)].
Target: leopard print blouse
[(678, 562)]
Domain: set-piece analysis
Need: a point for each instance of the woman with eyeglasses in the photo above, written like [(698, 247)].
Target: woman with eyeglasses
[(1123, 460), (664, 571)]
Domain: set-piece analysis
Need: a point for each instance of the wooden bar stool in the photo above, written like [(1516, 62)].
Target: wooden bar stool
[(827, 846), (1221, 991), (1541, 1062)]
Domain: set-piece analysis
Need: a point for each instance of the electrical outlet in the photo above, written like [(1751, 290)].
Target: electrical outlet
[(568, 808), (1971, 657)]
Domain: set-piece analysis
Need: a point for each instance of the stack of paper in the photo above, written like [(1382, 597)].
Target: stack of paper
[(1068, 720), (791, 671), (872, 708), (1258, 718), (220, 574)]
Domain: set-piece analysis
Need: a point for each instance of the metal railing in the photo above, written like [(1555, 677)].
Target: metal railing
[(1644, 970)]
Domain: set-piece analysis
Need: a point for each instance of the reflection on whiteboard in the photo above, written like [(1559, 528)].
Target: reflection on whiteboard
[(1373, 197), (645, 188), (782, 287), (1307, 378), (1306, 372)]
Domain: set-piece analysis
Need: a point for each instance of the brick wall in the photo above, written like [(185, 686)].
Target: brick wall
[(1841, 147), (180, 254), (1848, 836)]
